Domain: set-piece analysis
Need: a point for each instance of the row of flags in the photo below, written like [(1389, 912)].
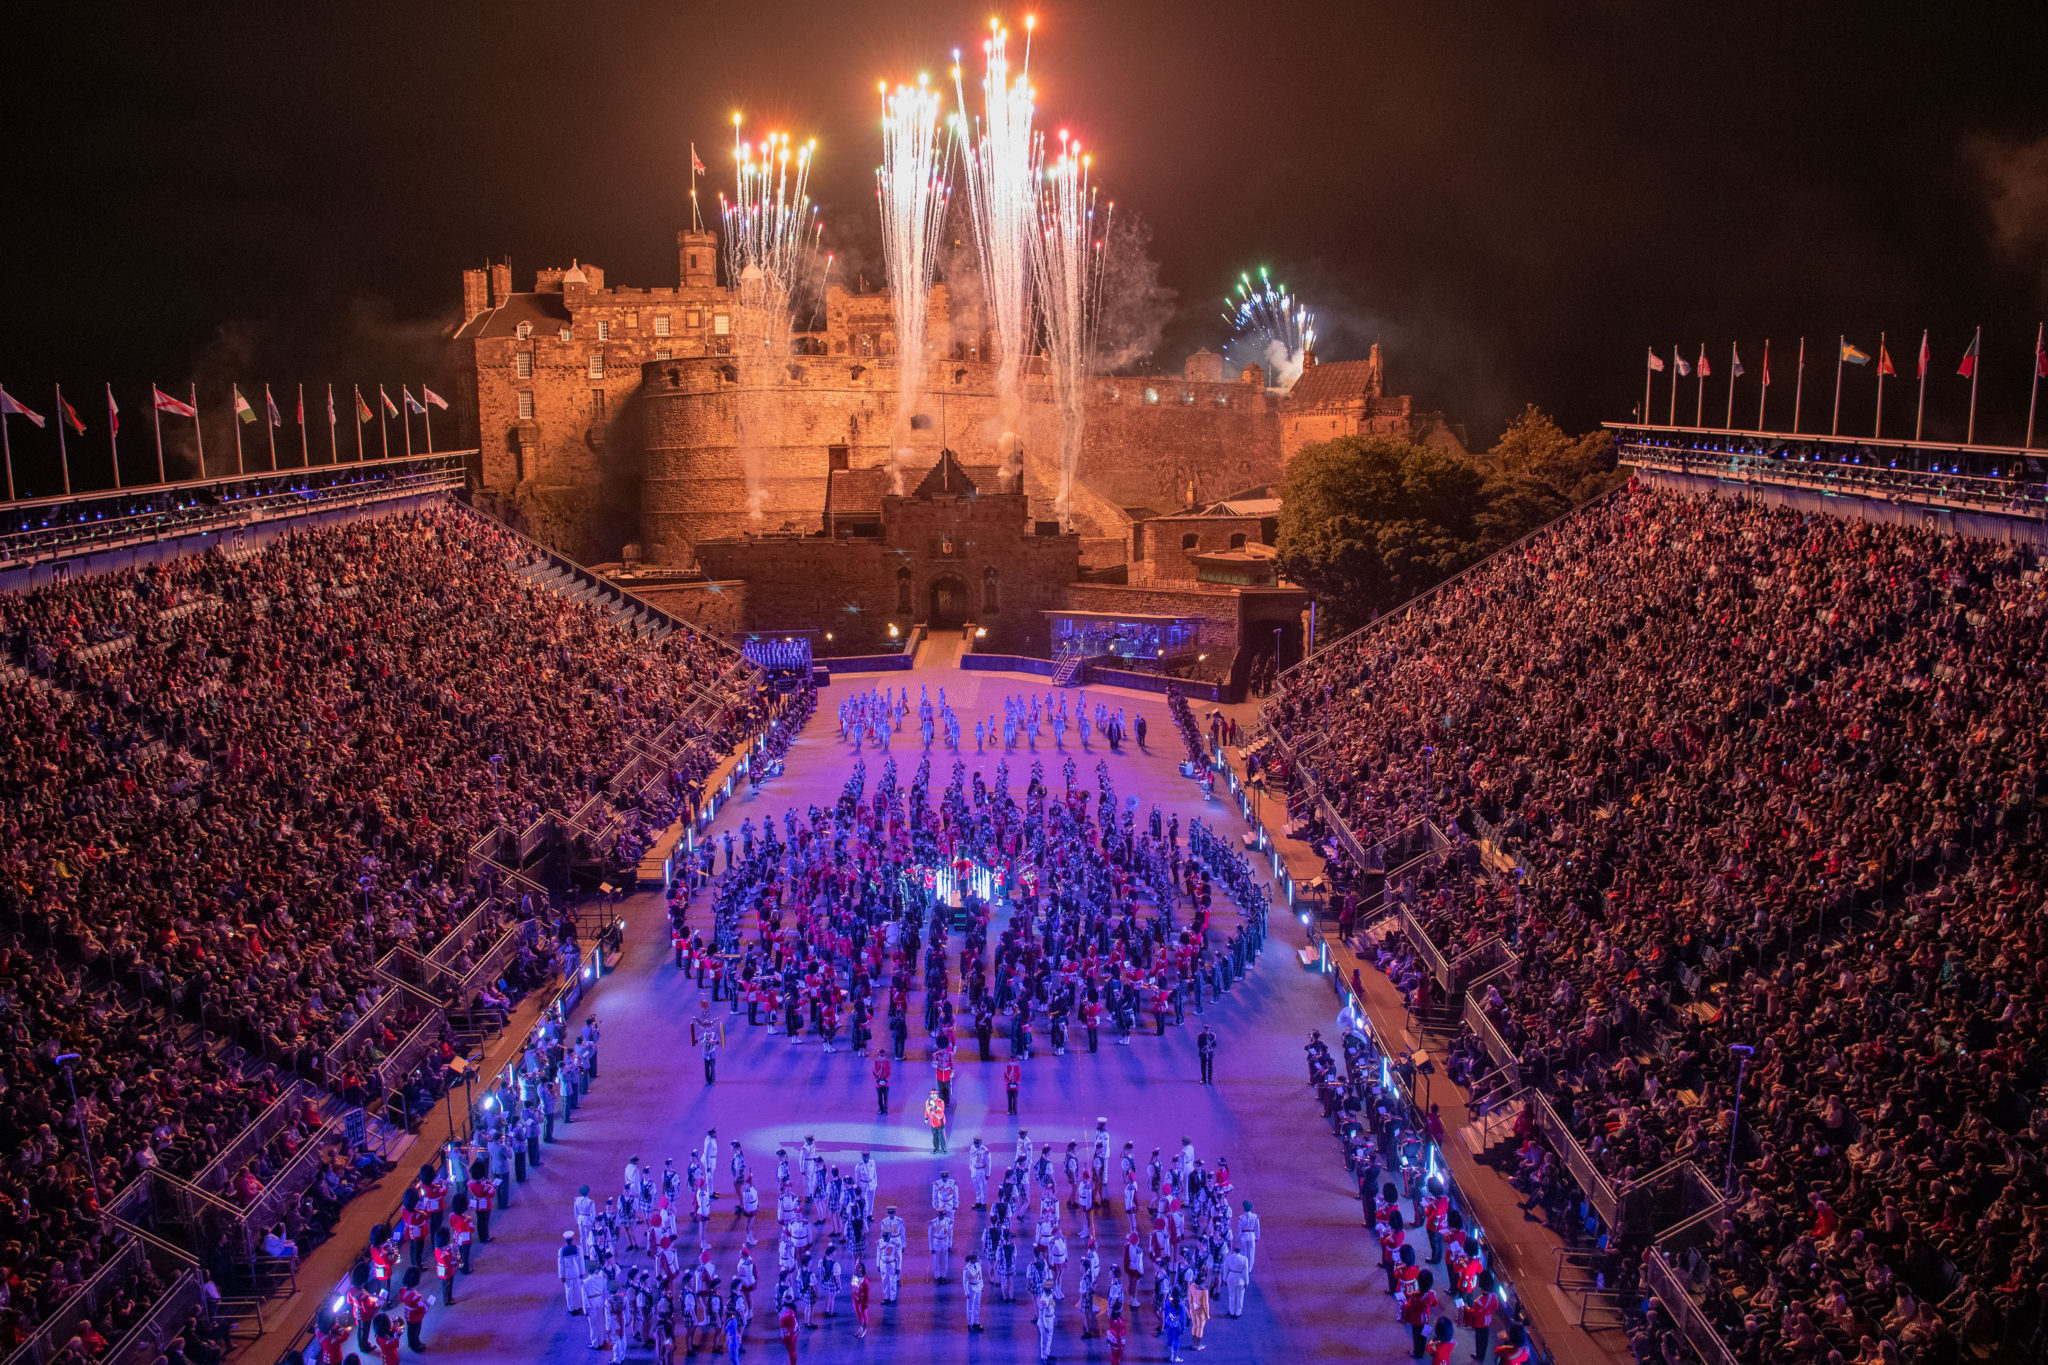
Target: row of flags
[(1847, 353), (162, 403)]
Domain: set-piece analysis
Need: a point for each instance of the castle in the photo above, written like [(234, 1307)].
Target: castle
[(653, 427)]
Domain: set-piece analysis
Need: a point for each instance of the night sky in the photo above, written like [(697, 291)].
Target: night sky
[(1516, 199)]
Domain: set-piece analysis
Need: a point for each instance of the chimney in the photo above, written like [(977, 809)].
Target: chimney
[(1308, 358), (501, 283), (476, 293)]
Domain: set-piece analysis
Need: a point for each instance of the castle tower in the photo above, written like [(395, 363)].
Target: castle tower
[(697, 257)]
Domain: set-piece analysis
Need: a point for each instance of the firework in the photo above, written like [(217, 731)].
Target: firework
[(771, 244), (1002, 159), (1069, 277), (911, 184), (1271, 327)]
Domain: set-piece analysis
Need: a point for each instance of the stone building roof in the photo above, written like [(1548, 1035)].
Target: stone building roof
[(546, 312), (949, 476), (1335, 383), (851, 492)]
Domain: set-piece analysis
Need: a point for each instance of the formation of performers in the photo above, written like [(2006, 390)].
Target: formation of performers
[(874, 716)]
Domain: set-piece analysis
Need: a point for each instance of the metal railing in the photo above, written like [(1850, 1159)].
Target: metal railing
[(292, 1180), (241, 1149), (145, 1341), (1686, 1313), (84, 1304)]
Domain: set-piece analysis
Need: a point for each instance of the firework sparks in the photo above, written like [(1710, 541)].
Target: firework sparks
[(1069, 277), (912, 186), (1269, 327), (771, 244), (1002, 159)]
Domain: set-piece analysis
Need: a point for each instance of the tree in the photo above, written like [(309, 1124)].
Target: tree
[(1368, 522), (1576, 467)]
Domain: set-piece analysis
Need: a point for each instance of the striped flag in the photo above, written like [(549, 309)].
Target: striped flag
[(242, 408), (436, 399), (113, 413), (1704, 371), (363, 413), (70, 414), (1969, 366), (390, 408)]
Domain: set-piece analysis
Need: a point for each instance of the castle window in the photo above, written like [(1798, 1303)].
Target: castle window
[(597, 365), (839, 457), (721, 324), (662, 353), (921, 421), (525, 330), (903, 590), (604, 329), (563, 335), (693, 261), (1237, 540), (522, 365), (1190, 541), (1151, 395), (597, 404), (693, 318), (526, 405), (990, 603), (661, 324)]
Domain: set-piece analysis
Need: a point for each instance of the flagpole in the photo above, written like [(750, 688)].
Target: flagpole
[(305, 446), (333, 448), (236, 390), (1877, 432), (1699, 403), (1799, 386), (1920, 409), (157, 415), (1730, 424), (1648, 356), (406, 418), (197, 435), (427, 416), (383, 429), (114, 437), (356, 415), (1835, 427), (63, 458), (1763, 391), (270, 424), (2040, 336), (7, 451), (1976, 364), (1674, 387)]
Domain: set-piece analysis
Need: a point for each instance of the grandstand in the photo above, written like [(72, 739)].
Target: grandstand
[(305, 776), (1732, 778)]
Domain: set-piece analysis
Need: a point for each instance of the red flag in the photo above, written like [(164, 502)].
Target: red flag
[(2040, 359), (10, 406), (1704, 371), (71, 415), (177, 407), (113, 413), (1767, 364), (302, 406), (1884, 362), (1925, 357), (1969, 365), (696, 166)]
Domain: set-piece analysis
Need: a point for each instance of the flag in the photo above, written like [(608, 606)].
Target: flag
[(1704, 371), (177, 407), (2040, 359), (1884, 362), (1924, 356), (242, 408), (1854, 356), (10, 406), (302, 405), (276, 417), (696, 165), (412, 404), (436, 399), (1735, 356), (1767, 365), (331, 418), (1656, 362), (363, 413), (71, 414), (113, 413), (1683, 368), (1969, 365), (390, 408)]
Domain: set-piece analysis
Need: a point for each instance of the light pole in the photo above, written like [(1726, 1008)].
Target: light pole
[(64, 1060), (1745, 1051)]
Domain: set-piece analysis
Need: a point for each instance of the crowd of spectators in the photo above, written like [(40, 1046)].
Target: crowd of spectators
[(1769, 780), (231, 783)]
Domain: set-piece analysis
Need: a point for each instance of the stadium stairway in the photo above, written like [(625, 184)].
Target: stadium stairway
[(624, 610)]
